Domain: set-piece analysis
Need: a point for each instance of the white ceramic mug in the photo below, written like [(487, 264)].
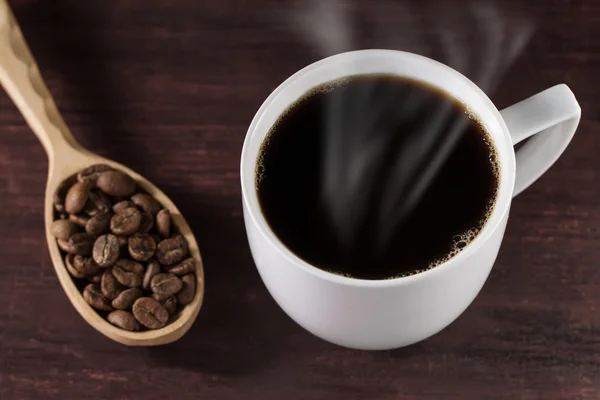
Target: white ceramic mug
[(385, 314)]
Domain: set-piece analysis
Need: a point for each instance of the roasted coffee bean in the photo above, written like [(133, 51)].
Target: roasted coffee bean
[(147, 222), (126, 222), (188, 291), (91, 173), (125, 299), (146, 203), (64, 246), (58, 198), (109, 286), (170, 304), (106, 250), (84, 265), (82, 243), (94, 297), (180, 239), (124, 320), (165, 285), (69, 264), (129, 273), (150, 313), (63, 229), (185, 267), (171, 251), (152, 269), (122, 205), (116, 183), (163, 222), (89, 266), (79, 219), (97, 203), (77, 196), (122, 226), (99, 223), (97, 277), (141, 247)]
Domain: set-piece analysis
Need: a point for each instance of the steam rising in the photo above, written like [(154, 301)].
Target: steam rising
[(476, 41)]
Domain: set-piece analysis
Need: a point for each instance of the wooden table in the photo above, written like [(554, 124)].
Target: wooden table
[(169, 88)]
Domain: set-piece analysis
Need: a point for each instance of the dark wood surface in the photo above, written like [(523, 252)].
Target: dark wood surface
[(169, 88)]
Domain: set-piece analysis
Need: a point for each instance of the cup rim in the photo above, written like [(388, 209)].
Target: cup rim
[(501, 205)]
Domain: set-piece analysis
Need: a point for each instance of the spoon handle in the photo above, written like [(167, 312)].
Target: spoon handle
[(21, 78)]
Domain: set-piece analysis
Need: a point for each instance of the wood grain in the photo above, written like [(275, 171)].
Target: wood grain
[(175, 85)]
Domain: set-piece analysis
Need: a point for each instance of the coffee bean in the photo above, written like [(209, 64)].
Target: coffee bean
[(171, 251), (58, 198), (85, 265), (122, 226), (124, 320), (165, 285), (97, 277), (79, 219), (116, 183), (188, 291), (69, 264), (91, 173), (147, 223), (150, 313), (128, 273), (99, 223), (64, 246), (63, 229), (122, 205), (170, 304), (82, 243), (97, 203), (163, 222), (94, 297), (152, 269), (109, 285), (180, 239), (90, 266), (126, 222), (141, 247), (146, 203), (77, 196), (106, 250), (185, 267), (125, 299)]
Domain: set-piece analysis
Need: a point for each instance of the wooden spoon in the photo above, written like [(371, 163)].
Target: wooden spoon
[(20, 76)]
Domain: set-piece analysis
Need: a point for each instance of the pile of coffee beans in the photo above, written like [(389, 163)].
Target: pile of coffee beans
[(120, 249)]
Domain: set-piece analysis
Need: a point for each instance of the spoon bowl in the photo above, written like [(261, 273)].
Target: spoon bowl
[(20, 77)]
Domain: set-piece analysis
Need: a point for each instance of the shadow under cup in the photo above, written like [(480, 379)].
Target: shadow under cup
[(375, 314)]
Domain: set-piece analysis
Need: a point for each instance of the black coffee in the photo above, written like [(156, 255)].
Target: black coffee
[(376, 176)]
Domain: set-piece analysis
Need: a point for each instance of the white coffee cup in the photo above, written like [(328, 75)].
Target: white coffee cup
[(385, 314)]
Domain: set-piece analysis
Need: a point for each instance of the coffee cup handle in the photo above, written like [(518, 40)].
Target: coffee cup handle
[(551, 117)]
